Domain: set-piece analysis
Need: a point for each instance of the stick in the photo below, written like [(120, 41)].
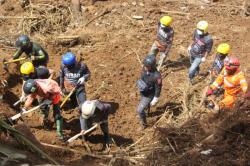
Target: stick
[(138, 57), (106, 11), (68, 37), (174, 12), (171, 145), (15, 60), (139, 140), (61, 147), (82, 133), (25, 112), (68, 96), (16, 17)]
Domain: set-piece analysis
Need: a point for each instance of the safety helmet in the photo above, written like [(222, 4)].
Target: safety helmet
[(88, 108), (27, 68), (203, 26), (29, 86), (69, 59), (232, 63), (166, 20), (223, 48), (150, 60), (23, 41)]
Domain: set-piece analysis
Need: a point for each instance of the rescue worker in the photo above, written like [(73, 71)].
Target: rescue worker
[(199, 49), (73, 74), (96, 111), (34, 51), (233, 81), (149, 85), (218, 64), (164, 39), (48, 92), (28, 71)]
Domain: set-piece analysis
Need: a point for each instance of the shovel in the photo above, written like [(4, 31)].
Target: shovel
[(68, 96), (25, 112), (11, 61)]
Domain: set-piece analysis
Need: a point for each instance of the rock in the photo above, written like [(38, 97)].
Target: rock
[(134, 3), (141, 4), (124, 4)]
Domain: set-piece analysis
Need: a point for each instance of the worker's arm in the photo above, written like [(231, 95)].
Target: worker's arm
[(209, 46), (158, 85), (85, 72), (219, 81), (18, 53), (41, 55), (61, 75), (29, 101), (243, 84), (52, 73)]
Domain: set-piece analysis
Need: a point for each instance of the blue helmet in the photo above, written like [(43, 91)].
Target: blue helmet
[(22, 41), (69, 59), (150, 60)]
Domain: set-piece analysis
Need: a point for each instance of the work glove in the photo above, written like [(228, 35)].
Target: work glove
[(47, 102), (154, 101), (203, 59), (32, 58), (209, 92), (22, 99), (81, 81)]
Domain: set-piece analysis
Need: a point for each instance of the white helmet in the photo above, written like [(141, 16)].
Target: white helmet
[(88, 108)]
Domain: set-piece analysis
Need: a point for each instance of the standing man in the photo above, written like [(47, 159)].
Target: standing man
[(32, 50), (218, 64), (164, 40), (96, 111), (199, 49), (73, 74), (48, 92), (149, 85)]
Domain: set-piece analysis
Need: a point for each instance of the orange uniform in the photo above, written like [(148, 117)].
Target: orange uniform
[(47, 89), (232, 84)]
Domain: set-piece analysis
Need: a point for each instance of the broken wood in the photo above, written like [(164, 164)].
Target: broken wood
[(105, 11), (17, 17), (174, 12)]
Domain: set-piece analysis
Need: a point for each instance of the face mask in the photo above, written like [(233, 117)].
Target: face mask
[(162, 26), (199, 32)]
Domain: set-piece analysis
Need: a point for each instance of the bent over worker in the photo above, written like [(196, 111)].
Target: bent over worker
[(164, 39), (32, 50), (48, 92), (149, 85), (96, 111), (233, 81)]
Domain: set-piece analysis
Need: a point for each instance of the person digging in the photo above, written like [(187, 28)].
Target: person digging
[(33, 51), (96, 111), (48, 92)]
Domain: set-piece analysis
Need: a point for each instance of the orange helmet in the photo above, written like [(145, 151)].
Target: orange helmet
[(232, 63)]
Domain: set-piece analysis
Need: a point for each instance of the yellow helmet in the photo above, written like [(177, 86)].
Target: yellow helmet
[(166, 20), (223, 48), (202, 25), (27, 68)]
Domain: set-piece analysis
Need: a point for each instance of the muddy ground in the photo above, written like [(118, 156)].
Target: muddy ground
[(112, 46)]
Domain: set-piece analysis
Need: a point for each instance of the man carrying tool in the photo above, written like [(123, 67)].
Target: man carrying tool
[(164, 39), (218, 64), (233, 81), (96, 111), (73, 75), (32, 50), (48, 92), (149, 85), (199, 49)]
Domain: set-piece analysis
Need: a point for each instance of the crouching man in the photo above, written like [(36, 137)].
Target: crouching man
[(48, 92)]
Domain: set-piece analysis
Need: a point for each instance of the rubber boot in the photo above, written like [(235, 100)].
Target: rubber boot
[(59, 124), (143, 123)]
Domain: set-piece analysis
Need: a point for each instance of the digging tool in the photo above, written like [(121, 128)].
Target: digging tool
[(85, 132), (11, 61), (17, 102), (68, 96), (204, 96), (25, 112)]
